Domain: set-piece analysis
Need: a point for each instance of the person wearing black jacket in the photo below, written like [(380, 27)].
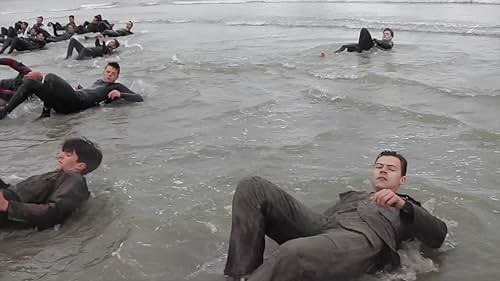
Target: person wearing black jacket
[(48, 199), (120, 32), (365, 42), (23, 44), (70, 31), (59, 95), (101, 48)]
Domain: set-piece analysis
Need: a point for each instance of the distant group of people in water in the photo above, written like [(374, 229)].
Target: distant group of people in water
[(361, 233), (55, 93), (23, 37)]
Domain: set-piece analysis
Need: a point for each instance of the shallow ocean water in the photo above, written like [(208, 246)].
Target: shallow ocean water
[(236, 88)]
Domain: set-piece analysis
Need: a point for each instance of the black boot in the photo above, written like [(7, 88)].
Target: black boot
[(3, 113)]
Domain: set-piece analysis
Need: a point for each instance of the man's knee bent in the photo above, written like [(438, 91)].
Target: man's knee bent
[(250, 184), (51, 77)]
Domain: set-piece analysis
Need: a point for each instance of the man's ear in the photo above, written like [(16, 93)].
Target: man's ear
[(81, 166), (402, 180)]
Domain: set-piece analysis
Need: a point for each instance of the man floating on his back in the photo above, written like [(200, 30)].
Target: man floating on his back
[(365, 42), (59, 95)]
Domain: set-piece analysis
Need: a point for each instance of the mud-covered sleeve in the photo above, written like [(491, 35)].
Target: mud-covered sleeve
[(68, 196)]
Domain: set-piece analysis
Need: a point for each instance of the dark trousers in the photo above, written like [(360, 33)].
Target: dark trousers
[(365, 42), (312, 247), (75, 44), (7, 42), (20, 44), (110, 33), (55, 93)]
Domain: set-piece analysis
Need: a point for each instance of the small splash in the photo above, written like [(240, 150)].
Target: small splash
[(150, 3), (99, 5), (209, 225), (412, 264), (176, 60)]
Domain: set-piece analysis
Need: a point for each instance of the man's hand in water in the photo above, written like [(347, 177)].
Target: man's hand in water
[(115, 94), (4, 204), (387, 198)]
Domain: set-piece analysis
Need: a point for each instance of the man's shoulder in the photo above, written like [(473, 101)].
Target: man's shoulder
[(71, 175)]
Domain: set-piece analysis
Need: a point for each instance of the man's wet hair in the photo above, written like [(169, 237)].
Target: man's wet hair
[(390, 30), (87, 152), (404, 163), (114, 65)]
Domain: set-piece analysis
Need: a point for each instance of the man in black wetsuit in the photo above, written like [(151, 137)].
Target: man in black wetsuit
[(59, 95), (101, 48), (9, 86), (57, 26), (120, 32), (24, 44), (366, 42), (70, 31)]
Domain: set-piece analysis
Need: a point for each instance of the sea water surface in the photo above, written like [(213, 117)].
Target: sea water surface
[(237, 87)]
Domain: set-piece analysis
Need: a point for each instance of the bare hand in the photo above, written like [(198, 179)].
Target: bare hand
[(115, 94), (387, 198), (4, 204)]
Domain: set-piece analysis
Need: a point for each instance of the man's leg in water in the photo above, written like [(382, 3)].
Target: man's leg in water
[(55, 93), (20, 45), (337, 254), (110, 33), (23, 92), (261, 208), (8, 41), (74, 44), (59, 95), (365, 41), (350, 48)]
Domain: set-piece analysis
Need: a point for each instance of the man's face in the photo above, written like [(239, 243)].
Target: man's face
[(71, 19), (386, 173), (387, 36), (68, 161), (71, 29), (112, 44), (39, 20), (129, 25), (110, 74)]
